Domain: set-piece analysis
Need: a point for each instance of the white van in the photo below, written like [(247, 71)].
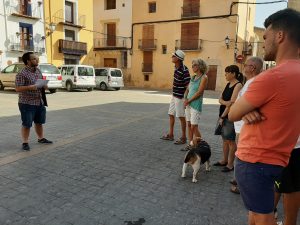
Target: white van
[(78, 77), (107, 77)]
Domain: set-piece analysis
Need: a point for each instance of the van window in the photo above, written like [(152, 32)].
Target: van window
[(9, 69), (19, 67), (64, 71), (116, 73), (101, 72), (85, 71), (49, 69), (70, 71)]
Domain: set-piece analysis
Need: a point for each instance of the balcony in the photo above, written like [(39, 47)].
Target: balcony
[(72, 47), (29, 11), (111, 43), (189, 11), (58, 18), (18, 47), (147, 44), (247, 49), (147, 67), (189, 45)]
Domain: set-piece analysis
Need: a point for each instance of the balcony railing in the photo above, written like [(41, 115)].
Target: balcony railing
[(247, 48), (72, 47), (31, 10), (24, 48), (147, 44), (192, 45), (59, 18), (190, 11), (147, 67), (110, 43)]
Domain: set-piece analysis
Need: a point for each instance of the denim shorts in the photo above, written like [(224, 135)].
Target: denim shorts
[(256, 184), (32, 113), (228, 132)]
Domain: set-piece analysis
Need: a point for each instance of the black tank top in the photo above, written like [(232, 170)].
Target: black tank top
[(226, 96)]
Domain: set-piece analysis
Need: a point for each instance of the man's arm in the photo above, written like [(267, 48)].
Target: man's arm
[(239, 109), (26, 88)]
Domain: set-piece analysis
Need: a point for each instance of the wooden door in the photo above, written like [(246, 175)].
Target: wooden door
[(189, 36), (110, 62), (212, 77), (111, 34), (148, 61), (148, 36)]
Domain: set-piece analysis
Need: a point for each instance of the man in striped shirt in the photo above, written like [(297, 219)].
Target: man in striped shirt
[(180, 83)]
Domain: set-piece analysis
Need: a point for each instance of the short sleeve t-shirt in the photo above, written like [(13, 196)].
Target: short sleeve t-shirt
[(276, 94)]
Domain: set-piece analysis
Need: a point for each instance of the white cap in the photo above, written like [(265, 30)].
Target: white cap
[(179, 54)]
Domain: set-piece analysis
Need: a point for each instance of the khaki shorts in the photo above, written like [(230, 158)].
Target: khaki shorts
[(176, 107), (192, 115)]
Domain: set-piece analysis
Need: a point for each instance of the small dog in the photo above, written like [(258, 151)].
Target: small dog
[(199, 154)]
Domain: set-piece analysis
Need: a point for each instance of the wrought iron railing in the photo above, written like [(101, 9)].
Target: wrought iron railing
[(19, 8), (147, 44), (190, 11), (192, 44), (72, 47), (110, 42), (59, 17)]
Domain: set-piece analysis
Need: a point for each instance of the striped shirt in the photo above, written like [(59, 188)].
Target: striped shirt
[(28, 76), (181, 81)]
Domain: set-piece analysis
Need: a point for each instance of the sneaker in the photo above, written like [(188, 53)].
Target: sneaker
[(44, 141), (25, 147)]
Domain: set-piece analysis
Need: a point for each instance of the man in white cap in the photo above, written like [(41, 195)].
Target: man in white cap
[(180, 83)]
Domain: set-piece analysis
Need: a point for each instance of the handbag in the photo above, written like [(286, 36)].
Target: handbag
[(218, 128)]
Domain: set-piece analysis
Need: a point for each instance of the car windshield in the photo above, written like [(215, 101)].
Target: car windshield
[(116, 73), (49, 69), (85, 71)]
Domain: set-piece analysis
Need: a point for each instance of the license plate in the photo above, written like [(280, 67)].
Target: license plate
[(51, 78)]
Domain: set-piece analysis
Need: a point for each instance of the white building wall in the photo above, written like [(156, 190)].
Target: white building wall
[(10, 32), (122, 16)]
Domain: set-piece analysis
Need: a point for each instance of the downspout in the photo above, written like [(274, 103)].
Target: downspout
[(50, 22)]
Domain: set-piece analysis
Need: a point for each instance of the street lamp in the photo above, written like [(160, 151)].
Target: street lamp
[(51, 28), (227, 42)]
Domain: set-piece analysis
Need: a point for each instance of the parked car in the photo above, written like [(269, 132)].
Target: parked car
[(49, 72), (107, 77), (78, 77)]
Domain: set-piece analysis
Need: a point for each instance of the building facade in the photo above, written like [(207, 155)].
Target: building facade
[(69, 31), (220, 32), (112, 26), (22, 26), (295, 4)]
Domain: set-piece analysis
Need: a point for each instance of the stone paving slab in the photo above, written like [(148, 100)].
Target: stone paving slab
[(109, 167)]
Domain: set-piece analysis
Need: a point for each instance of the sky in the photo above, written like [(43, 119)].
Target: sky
[(264, 10)]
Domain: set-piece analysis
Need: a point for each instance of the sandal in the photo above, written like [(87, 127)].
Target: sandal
[(235, 190), (180, 141), (220, 164), (167, 137), (233, 182), (226, 169)]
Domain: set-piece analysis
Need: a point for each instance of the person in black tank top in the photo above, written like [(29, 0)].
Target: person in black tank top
[(228, 97)]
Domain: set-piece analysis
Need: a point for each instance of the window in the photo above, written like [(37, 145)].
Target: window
[(85, 71), (26, 40), (116, 73), (9, 69), (71, 71), (69, 12), (146, 77), (110, 4), (101, 72), (124, 59), (25, 7), (152, 7), (49, 69), (164, 49), (69, 35)]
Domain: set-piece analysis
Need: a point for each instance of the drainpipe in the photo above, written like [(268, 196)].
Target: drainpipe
[(50, 20)]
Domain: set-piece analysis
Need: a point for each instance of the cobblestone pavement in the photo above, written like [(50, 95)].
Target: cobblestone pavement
[(107, 165)]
